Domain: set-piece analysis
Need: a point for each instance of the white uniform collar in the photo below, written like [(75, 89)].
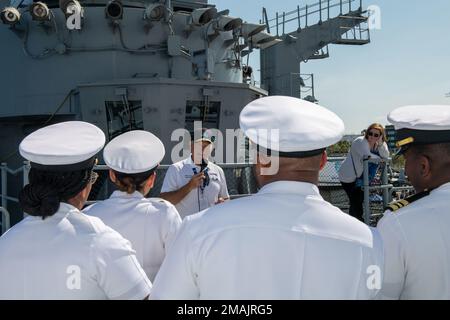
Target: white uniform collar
[(291, 187), (444, 187), (121, 194), (64, 210)]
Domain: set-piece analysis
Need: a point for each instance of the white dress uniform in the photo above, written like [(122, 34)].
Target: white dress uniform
[(149, 224), (415, 231), (68, 255), (285, 242), (180, 173)]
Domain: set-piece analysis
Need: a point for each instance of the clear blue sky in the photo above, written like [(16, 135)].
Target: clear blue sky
[(407, 62)]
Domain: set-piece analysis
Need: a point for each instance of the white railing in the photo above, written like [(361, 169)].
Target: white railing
[(328, 179), (303, 15), (386, 187), (6, 220)]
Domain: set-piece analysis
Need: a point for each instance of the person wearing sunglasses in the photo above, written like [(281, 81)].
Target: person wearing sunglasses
[(57, 252), (371, 145)]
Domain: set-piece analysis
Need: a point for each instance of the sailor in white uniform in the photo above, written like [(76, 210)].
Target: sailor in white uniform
[(415, 231), (195, 183), (57, 252), (149, 224), (285, 242)]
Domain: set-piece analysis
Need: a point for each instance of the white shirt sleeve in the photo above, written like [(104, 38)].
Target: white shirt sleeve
[(394, 257), (176, 279), (384, 151), (361, 150), (170, 180), (173, 224), (117, 270), (223, 185)]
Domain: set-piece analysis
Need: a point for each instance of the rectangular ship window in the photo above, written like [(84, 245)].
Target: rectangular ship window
[(123, 116), (206, 112)]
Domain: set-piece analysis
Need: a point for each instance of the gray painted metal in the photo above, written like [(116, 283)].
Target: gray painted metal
[(280, 64), (134, 73)]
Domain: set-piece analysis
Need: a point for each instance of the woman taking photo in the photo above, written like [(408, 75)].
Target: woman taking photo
[(371, 145)]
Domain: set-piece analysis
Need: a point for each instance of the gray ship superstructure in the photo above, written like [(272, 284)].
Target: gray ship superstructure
[(152, 65)]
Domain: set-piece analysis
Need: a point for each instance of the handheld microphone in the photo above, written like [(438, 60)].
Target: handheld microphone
[(204, 168)]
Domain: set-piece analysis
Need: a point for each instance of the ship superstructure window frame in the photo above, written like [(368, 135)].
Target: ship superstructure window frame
[(128, 113), (208, 112)]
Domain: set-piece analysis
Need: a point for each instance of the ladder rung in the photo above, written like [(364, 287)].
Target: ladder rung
[(352, 41), (353, 17)]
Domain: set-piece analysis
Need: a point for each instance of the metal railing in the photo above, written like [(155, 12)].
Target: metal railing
[(322, 11), (4, 181), (241, 183), (373, 213), (6, 220)]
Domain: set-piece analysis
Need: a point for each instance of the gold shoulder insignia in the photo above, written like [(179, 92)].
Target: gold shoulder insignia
[(395, 206)]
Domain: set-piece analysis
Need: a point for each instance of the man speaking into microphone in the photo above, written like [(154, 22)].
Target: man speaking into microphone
[(195, 184)]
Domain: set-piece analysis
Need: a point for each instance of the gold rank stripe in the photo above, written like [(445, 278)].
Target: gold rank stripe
[(404, 142), (398, 205)]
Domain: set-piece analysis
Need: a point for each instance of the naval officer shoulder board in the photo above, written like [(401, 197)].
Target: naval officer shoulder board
[(395, 206)]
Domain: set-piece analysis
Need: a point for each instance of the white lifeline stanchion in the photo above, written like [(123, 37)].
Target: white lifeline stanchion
[(366, 190), (26, 171), (4, 184), (385, 182), (6, 220)]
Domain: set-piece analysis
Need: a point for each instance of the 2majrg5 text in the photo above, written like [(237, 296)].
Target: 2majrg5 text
[(246, 310), (226, 309)]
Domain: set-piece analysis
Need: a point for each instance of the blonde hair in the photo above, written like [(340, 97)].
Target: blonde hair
[(378, 127)]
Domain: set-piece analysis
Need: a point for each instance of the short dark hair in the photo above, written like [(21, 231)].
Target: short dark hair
[(442, 148)]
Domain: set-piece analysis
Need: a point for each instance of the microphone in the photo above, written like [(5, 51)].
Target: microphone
[(204, 169)]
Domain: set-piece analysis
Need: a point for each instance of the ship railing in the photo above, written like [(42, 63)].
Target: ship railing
[(6, 220), (357, 33), (322, 10), (242, 183), (4, 172), (4, 181), (374, 207)]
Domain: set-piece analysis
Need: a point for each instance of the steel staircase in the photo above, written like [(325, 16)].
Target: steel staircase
[(307, 33)]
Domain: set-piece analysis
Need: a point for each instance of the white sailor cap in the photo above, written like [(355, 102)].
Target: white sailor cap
[(134, 152), (421, 124), (65, 146), (294, 128)]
